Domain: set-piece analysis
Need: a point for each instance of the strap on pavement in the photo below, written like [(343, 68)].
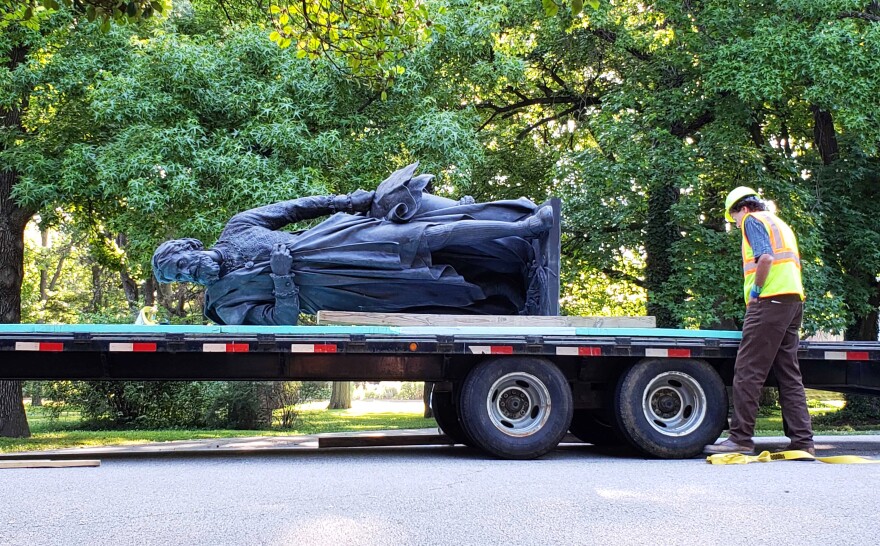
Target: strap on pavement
[(792, 455)]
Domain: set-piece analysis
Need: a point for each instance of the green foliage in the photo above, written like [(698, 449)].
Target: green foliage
[(859, 411), (193, 404), (115, 10), (315, 390), (411, 390), (130, 404), (367, 39)]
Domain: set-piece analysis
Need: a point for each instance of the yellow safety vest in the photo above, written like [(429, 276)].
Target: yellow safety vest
[(785, 273)]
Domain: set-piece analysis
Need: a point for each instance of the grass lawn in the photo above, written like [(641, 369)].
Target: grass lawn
[(313, 419)]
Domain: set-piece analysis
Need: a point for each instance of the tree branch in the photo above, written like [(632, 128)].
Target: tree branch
[(611, 38), (621, 276), (859, 15), (681, 130)]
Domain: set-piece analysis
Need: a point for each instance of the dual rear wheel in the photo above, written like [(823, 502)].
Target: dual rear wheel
[(521, 408)]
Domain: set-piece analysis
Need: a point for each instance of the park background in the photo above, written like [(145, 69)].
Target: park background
[(127, 123)]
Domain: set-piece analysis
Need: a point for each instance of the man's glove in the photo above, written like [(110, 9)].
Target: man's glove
[(756, 291)]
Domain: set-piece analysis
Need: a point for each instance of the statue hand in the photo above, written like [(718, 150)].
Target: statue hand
[(361, 200), (280, 261)]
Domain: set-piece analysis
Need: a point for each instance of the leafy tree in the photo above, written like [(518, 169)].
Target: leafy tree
[(643, 117), (123, 133)]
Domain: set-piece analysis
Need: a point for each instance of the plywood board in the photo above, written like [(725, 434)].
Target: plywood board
[(379, 440), (412, 319), (46, 463)]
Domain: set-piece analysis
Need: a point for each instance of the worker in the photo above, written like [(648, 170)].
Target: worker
[(774, 297)]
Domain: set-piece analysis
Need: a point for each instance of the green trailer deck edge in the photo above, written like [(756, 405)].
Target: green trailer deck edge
[(362, 330)]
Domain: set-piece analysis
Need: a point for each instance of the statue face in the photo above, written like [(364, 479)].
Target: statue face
[(198, 267), (173, 263)]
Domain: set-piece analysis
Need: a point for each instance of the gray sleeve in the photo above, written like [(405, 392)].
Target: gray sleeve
[(758, 237), (278, 215), (285, 311)]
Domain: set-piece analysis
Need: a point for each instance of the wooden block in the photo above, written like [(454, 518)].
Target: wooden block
[(385, 441), (353, 318), (46, 463)]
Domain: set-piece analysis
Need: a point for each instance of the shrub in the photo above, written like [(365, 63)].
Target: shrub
[(411, 390), (176, 404)]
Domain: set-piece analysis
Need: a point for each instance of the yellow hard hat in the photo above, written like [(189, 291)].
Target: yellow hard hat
[(734, 196)]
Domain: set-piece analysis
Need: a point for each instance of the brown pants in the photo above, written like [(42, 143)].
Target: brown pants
[(770, 340)]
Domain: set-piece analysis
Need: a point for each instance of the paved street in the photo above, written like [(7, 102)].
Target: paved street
[(440, 495)]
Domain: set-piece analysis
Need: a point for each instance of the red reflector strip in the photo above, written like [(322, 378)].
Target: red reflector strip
[(846, 355), (132, 347), (579, 351), (43, 346), (491, 349), (668, 353), (225, 347), (313, 348)]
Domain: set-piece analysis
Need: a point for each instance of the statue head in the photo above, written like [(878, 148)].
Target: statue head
[(185, 260)]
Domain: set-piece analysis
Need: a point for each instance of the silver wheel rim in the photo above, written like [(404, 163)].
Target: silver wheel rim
[(518, 404), (674, 404)]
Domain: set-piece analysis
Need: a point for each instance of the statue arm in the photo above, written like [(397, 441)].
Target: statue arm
[(278, 215)]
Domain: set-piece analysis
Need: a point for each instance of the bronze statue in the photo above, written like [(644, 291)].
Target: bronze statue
[(398, 249)]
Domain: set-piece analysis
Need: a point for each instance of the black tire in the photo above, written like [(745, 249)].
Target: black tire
[(516, 407), (446, 414), (596, 427), (671, 408)]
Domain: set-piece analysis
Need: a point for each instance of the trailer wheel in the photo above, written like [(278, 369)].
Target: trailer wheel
[(595, 427), (671, 408), (516, 407), (446, 414)]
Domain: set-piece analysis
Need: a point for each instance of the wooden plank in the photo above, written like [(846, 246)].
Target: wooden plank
[(46, 463), (377, 440), (412, 319)]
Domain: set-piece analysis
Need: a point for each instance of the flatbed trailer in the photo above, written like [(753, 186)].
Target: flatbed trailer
[(513, 392)]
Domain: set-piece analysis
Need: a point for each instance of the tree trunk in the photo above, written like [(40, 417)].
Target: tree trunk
[(37, 394), (129, 285), (859, 408), (661, 233), (13, 421), (13, 219), (97, 290), (340, 397), (426, 399), (44, 271), (148, 289), (824, 136)]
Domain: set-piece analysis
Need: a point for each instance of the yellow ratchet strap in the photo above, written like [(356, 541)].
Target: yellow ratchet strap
[(793, 455)]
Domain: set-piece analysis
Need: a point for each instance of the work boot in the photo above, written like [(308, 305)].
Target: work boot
[(728, 446), (809, 449)]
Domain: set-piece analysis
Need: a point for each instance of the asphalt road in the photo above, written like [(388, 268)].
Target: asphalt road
[(438, 495)]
